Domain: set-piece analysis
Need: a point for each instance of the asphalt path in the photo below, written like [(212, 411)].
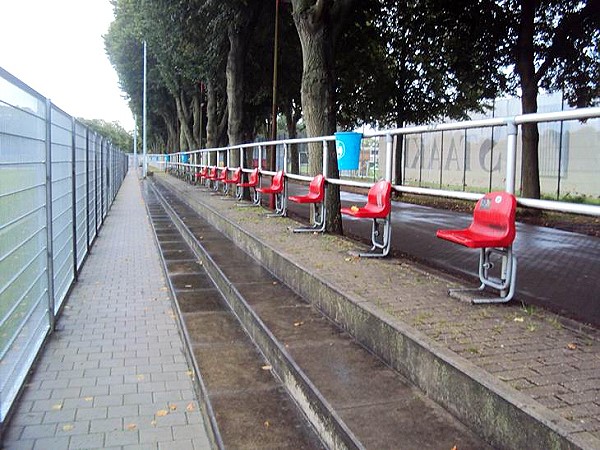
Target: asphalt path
[(557, 270)]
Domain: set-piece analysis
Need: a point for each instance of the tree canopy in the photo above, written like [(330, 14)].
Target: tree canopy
[(345, 62)]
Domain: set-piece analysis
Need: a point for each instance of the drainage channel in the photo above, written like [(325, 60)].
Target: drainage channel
[(245, 404), (352, 398)]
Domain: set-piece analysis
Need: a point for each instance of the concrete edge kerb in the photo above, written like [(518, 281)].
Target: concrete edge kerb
[(501, 414)]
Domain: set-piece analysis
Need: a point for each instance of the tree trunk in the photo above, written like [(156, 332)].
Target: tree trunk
[(530, 173), (316, 38), (172, 133), (186, 140), (211, 116), (197, 119), (235, 91)]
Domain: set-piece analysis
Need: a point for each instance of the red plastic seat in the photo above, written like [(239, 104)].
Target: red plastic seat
[(493, 232), (221, 178), (493, 223), (276, 188), (252, 183), (252, 180), (378, 203), (315, 196), (378, 207), (235, 179), (276, 185), (316, 191), (212, 175), (202, 174)]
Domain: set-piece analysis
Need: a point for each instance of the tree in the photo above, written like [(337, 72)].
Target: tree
[(319, 23), (554, 45), (120, 137)]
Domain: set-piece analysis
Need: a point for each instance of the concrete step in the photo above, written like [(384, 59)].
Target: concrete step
[(245, 404), (350, 396)]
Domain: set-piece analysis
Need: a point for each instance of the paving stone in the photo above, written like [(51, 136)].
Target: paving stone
[(38, 431), (61, 442), (86, 441)]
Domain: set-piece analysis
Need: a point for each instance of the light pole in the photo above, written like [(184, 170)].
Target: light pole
[(135, 161), (144, 144)]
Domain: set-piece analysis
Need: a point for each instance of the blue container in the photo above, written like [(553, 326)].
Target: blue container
[(168, 158), (347, 147), (185, 159)]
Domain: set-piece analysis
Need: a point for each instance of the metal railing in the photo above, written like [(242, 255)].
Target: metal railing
[(189, 161), (58, 179)]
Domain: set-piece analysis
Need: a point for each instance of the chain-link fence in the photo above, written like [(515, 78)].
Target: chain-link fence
[(58, 179)]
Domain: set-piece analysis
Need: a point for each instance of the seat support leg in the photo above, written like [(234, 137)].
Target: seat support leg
[(505, 284), (381, 239), (319, 220)]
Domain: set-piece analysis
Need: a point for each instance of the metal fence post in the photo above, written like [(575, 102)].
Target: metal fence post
[(325, 160), (74, 195), (87, 188), (388, 157), (511, 155), (49, 246)]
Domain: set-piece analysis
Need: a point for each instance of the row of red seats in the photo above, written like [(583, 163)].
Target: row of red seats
[(492, 229)]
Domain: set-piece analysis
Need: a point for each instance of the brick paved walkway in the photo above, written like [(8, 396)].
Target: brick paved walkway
[(114, 374)]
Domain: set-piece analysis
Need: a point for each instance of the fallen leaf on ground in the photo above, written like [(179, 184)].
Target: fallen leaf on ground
[(572, 346), (57, 407), (153, 423), (267, 424), (131, 426), (190, 407), (173, 407), (140, 377), (299, 324), (518, 319), (67, 427), (266, 367), (161, 413), (89, 399), (354, 208)]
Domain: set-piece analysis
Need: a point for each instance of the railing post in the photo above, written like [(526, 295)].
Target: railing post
[(74, 194), (87, 188), (49, 244), (285, 157), (388, 157), (325, 160), (511, 155)]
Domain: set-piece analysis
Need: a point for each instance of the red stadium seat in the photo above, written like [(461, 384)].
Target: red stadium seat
[(493, 232), (378, 207), (316, 197)]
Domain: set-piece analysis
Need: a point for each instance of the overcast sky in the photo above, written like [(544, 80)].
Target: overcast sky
[(56, 47)]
